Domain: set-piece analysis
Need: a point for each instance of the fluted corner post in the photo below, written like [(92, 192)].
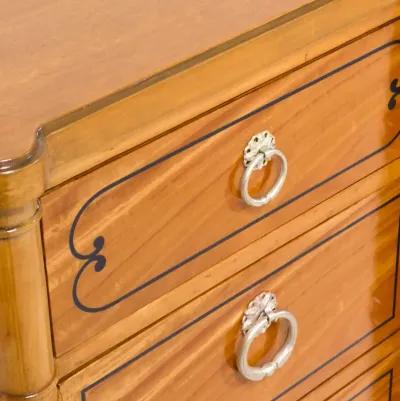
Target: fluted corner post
[(26, 352)]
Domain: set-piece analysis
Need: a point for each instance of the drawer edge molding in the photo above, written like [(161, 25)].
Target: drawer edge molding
[(99, 260), (383, 376), (307, 251)]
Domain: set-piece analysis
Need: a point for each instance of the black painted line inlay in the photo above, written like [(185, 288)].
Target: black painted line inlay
[(388, 373), (98, 260), (395, 89), (260, 281)]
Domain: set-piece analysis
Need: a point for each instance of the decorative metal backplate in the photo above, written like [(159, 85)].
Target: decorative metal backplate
[(258, 143), (257, 309)]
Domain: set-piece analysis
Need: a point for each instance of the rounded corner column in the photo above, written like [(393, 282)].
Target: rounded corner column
[(27, 368)]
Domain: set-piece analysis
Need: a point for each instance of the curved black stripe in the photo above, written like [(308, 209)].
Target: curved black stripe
[(98, 261), (281, 268)]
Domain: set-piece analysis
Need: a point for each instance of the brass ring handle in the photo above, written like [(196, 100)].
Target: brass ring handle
[(258, 152), (260, 314)]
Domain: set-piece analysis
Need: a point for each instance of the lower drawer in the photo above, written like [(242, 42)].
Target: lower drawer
[(378, 384), (339, 281), (373, 377)]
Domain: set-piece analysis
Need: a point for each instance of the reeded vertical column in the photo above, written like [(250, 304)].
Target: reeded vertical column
[(26, 353)]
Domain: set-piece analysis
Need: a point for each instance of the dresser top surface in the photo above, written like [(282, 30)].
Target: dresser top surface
[(57, 57)]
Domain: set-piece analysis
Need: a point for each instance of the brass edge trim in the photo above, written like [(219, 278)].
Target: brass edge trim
[(8, 232)]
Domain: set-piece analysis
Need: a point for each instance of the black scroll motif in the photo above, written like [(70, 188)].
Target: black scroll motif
[(96, 261), (395, 89)]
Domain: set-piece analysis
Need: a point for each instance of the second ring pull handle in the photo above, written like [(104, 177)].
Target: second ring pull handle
[(258, 152), (260, 314)]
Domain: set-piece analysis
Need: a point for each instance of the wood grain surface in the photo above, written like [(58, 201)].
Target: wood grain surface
[(26, 356), (84, 51), (80, 83), (84, 139), (372, 377), (182, 214), (379, 384), (339, 280), (126, 327)]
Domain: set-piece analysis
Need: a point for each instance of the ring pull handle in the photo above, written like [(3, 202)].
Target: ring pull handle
[(259, 315), (258, 152)]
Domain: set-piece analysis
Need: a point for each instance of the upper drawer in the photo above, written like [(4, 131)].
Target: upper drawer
[(339, 280), (138, 227)]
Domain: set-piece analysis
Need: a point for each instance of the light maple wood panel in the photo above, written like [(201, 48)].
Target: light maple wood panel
[(26, 352), (372, 377), (380, 383), (147, 111), (98, 110), (137, 228), (339, 280), (87, 50), (361, 191), (373, 386)]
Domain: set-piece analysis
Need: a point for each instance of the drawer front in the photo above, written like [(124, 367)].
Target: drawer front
[(135, 229), (339, 281), (380, 383), (372, 377), (369, 389)]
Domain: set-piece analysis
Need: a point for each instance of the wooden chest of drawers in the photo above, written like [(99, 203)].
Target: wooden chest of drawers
[(165, 219)]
